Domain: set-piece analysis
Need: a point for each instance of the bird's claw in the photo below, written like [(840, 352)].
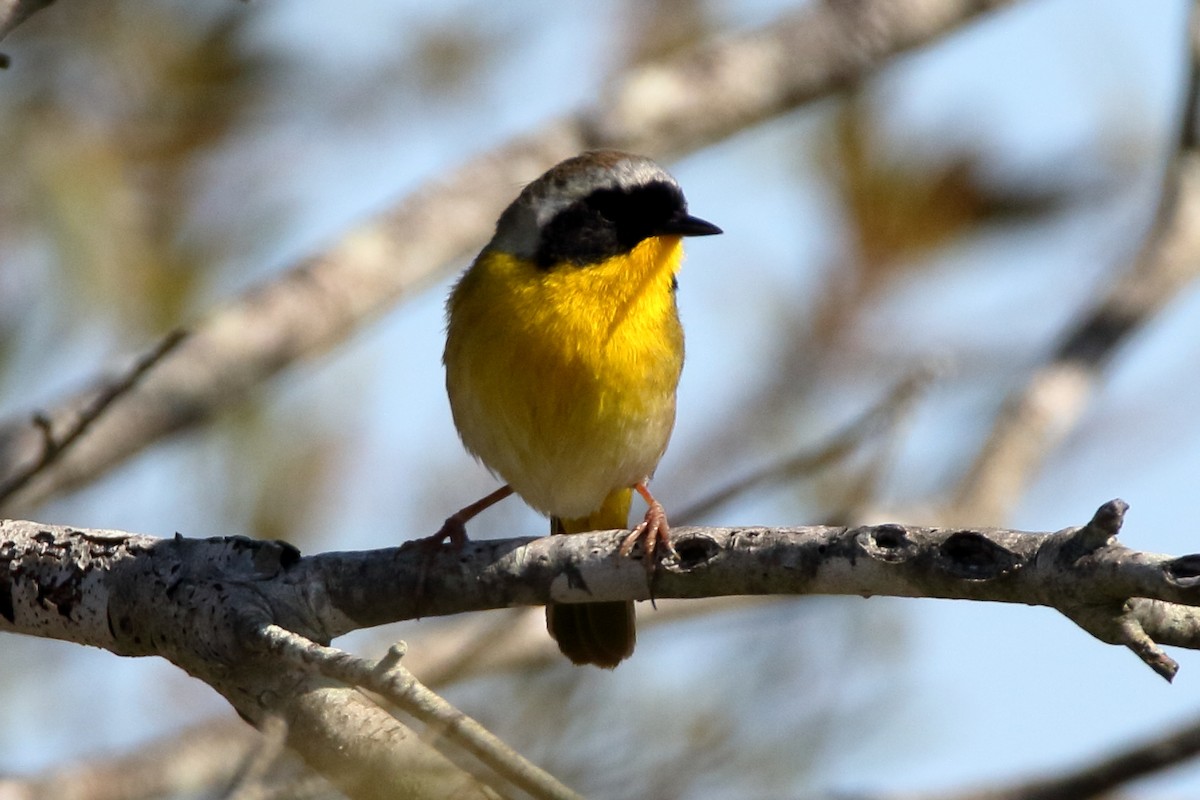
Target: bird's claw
[(654, 533), (453, 533)]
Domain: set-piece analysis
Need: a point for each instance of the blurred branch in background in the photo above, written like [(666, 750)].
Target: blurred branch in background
[(1037, 417), (203, 756), (1093, 779), (56, 442), (113, 126), (13, 13), (879, 421), (902, 205), (206, 760), (694, 99), (211, 755)]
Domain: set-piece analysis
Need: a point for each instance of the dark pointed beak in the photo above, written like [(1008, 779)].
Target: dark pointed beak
[(687, 225)]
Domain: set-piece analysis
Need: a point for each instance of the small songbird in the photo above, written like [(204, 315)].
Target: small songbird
[(563, 354)]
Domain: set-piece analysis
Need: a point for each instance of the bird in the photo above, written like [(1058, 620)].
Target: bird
[(563, 355)]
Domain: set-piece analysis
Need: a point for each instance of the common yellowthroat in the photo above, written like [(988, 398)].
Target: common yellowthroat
[(563, 354)]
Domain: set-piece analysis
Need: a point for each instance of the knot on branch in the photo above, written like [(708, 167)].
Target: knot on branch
[(972, 556), (890, 543), (1184, 571), (695, 550), (264, 557)]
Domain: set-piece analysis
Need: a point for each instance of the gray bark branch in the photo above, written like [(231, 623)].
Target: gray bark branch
[(183, 598), (211, 606), (202, 604)]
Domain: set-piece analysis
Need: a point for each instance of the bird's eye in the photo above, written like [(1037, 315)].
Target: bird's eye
[(607, 204)]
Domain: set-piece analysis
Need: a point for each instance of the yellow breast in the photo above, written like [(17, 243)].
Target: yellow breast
[(562, 381)]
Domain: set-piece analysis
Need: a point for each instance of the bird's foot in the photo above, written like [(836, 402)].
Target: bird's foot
[(653, 532), (453, 533)]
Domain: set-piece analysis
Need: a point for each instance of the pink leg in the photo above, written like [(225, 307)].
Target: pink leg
[(454, 531), (652, 531)]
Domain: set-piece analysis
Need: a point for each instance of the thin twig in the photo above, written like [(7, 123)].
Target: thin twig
[(880, 417), (53, 447), (1098, 778), (251, 780), (389, 679)]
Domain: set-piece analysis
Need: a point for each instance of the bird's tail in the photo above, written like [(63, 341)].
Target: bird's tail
[(594, 633)]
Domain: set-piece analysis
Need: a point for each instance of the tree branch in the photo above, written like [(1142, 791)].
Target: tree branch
[(200, 604), (137, 595), (231, 610), (697, 98), (55, 443), (390, 679)]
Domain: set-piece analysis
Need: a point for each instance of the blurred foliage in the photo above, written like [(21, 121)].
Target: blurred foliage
[(902, 205), (447, 58), (120, 104)]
